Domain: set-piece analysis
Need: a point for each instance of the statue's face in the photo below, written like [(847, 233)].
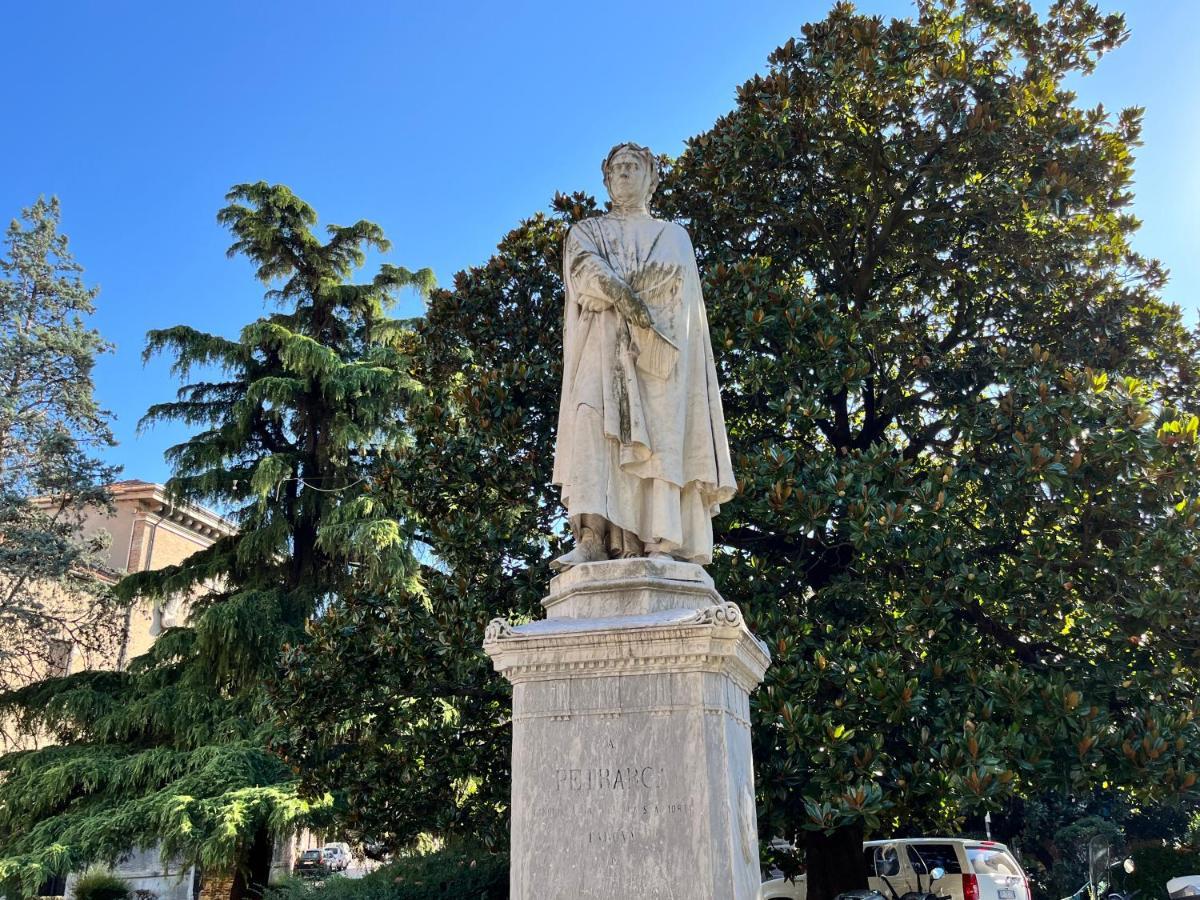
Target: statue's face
[(628, 179)]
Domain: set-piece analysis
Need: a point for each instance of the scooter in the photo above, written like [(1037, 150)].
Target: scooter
[(935, 874), (869, 894), (1099, 885)]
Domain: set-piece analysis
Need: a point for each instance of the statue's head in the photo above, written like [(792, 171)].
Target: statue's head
[(630, 174)]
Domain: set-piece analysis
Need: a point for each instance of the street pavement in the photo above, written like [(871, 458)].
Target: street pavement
[(360, 867)]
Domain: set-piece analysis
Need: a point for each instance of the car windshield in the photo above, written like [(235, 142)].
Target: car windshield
[(990, 861), (311, 854)]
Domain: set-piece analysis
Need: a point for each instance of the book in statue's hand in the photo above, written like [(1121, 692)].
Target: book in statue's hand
[(656, 354)]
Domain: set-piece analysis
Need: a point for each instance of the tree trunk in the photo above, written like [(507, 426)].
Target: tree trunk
[(250, 879), (835, 862)]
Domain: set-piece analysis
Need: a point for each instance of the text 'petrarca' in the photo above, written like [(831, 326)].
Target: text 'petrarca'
[(617, 778)]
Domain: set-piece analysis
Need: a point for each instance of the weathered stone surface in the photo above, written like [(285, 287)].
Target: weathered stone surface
[(632, 770), (641, 451), (629, 587)]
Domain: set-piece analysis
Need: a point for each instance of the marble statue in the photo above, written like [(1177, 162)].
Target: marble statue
[(642, 456)]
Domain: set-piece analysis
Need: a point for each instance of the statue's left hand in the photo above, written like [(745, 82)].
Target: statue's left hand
[(639, 313), (654, 275)]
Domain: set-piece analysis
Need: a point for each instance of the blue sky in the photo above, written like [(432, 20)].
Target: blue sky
[(444, 122)]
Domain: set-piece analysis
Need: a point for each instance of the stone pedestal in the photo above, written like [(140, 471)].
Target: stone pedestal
[(632, 776)]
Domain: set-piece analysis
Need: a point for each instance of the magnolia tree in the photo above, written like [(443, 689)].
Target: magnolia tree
[(963, 421)]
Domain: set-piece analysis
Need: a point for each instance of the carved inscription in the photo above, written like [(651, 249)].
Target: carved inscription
[(605, 778), (619, 806), (617, 836), (638, 829)]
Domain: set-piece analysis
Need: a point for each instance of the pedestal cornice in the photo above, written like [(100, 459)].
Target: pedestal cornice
[(712, 639)]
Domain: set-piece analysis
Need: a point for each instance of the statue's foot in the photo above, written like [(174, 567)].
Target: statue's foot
[(656, 551), (583, 553)]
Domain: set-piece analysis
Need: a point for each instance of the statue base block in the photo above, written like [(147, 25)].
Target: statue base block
[(632, 776)]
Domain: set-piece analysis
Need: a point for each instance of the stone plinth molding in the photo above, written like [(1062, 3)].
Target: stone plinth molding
[(629, 587)]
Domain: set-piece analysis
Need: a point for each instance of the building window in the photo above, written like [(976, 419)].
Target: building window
[(58, 659)]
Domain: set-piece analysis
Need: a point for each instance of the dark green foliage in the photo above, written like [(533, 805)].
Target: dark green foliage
[(965, 524), (177, 748), (100, 886), (1154, 867), (458, 873), (53, 596), (1164, 823), (1056, 833), (1072, 867)]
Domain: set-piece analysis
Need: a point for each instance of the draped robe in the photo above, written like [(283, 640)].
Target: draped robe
[(641, 433)]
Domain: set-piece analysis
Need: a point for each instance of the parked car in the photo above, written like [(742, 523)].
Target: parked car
[(337, 857), (1183, 887), (310, 864), (974, 870)]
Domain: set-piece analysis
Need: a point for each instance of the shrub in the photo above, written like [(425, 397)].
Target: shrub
[(459, 872), (101, 886), (462, 873)]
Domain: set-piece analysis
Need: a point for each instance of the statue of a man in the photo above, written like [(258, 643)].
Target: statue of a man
[(642, 456)]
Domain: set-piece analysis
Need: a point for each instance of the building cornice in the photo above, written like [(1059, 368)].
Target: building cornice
[(153, 499)]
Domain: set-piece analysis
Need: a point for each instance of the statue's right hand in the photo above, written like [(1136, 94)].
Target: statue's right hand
[(594, 303)]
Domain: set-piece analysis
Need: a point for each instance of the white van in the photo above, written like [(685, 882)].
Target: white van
[(975, 870)]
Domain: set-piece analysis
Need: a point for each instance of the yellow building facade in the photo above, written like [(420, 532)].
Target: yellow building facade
[(148, 531)]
